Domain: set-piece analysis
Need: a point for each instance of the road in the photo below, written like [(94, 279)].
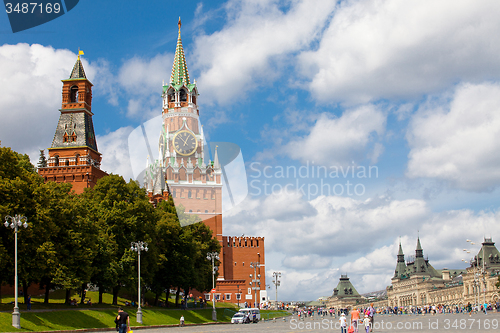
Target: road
[(383, 324)]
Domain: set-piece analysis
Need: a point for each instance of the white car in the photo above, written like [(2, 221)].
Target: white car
[(252, 313), (239, 318)]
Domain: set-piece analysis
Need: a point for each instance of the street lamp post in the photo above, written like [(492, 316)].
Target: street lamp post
[(276, 281), (213, 256), (15, 223), (255, 280), (138, 247), (238, 295)]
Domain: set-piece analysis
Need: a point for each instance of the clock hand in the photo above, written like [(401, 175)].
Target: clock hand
[(185, 141)]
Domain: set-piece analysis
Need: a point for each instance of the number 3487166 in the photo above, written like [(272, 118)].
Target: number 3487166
[(32, 8)]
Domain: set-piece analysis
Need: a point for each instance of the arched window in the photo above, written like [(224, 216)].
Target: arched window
[(174, 193), (73, 94), (189, 194), (206, 210), (190, 210)]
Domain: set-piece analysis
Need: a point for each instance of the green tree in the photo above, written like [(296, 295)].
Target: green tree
[(167, 244), (122, 214), (19, 184)]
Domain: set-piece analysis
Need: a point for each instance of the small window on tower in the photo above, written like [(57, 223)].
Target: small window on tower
[(74, 94), (171, 96), (183, 95)]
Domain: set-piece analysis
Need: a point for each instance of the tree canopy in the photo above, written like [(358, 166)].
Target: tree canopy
[(74, 241)]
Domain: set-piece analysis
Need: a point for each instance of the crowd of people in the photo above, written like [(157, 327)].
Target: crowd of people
[(440, 309), (357, 319)]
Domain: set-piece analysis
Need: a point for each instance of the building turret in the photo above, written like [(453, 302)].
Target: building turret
[(401, 265), (490, 253)]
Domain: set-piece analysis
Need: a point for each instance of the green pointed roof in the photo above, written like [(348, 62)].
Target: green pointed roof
[(78, 72), (400, 252), (180, 73), (491, 255), (419, 247), (345, 288)]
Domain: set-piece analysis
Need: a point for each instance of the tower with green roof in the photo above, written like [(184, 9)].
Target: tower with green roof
[(184, 169)]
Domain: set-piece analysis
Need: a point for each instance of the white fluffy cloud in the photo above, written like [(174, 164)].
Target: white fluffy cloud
[(31, 87), (30, 81), (457, 140), (327, 226), (254, 44), (402, 49), (115, 153), (340, 141), (141, 79), (359, 238)]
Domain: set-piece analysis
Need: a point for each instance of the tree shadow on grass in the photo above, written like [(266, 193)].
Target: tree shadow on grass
[(64, 320)]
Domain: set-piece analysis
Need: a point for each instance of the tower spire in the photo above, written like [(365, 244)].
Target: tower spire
[(180, 73), (78, 72), (419, 253)]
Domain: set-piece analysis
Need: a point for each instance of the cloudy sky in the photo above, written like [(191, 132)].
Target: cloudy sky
[(360, 122)]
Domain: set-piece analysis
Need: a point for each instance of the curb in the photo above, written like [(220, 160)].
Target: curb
[(104, 329)]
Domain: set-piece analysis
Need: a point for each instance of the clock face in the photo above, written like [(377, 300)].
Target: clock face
[(185, 143)]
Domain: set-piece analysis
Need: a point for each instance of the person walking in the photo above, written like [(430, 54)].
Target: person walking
[(366, 321), (122, 321), (354, 319), (182, 321), (28, 303), (371, 314), (343, 323)]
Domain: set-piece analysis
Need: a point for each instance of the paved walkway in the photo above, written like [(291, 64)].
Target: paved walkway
[(383, 324)]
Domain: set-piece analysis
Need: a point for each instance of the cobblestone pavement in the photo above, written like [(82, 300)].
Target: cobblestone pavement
[(383, 324)]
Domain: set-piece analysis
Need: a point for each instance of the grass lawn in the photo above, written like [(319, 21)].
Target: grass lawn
[(57, 298), (78, 319), (92, 318), (58, 316)]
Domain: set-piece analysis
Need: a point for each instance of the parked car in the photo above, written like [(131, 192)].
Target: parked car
[(252, 313), (240, 318)]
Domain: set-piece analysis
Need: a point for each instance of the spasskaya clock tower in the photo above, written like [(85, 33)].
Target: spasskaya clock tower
[(192, 179), (185, 171)]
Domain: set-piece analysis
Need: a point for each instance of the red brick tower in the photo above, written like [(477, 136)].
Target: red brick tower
[(73, 156)]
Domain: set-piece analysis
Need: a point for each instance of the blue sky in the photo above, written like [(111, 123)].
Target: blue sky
[(410, 89)]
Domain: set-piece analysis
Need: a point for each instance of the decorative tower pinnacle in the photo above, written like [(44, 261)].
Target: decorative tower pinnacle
[(78, 72), (401, 265), (180, 73), (419, 253)]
